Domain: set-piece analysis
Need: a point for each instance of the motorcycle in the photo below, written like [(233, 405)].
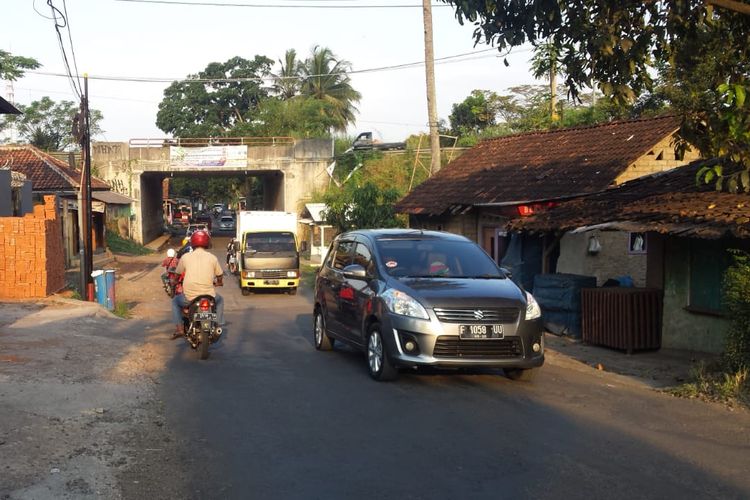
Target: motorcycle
[(201, 325), (232, 265), (169, 278)]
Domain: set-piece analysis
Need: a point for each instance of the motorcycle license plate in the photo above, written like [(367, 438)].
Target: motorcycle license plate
[(202, 316)]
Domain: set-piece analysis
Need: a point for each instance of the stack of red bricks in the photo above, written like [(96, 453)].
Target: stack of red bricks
[(31, 253)]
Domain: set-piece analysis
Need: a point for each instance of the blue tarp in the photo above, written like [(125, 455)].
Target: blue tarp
[(559, 296)]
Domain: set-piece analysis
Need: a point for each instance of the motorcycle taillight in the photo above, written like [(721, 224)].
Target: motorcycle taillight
[(204, 305)]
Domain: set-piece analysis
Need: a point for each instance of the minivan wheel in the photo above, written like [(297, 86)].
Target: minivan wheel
[(322, 341), (378, 361), (523, 374)]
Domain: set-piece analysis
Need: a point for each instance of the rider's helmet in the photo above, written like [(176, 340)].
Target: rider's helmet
[(200, 238), (171, 253)]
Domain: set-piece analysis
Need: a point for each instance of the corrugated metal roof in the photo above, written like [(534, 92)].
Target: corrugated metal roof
[(538, 166)]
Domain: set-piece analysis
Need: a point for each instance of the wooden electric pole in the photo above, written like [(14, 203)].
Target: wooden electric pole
[(429, 64), (87, 262)]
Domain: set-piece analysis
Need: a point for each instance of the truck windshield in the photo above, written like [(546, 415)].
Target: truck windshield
[(270, 243)]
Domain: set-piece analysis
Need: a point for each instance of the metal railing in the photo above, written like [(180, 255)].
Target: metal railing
[(210, 141)]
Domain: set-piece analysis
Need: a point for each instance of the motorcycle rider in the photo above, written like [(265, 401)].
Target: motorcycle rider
[(200, 269)]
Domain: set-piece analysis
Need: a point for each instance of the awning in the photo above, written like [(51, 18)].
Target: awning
[(7, 108), (111, 198), (315, 210)]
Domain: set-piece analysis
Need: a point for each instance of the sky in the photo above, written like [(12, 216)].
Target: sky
[(117, 38)]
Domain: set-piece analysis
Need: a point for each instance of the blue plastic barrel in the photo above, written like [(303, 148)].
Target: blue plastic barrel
[(100, 287), (109, 279)]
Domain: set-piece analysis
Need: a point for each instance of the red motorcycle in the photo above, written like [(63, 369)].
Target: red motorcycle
[(200, 322), (169, 278)]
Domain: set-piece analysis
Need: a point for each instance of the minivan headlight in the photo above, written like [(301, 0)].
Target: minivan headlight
[(403, 304), (533, 311)]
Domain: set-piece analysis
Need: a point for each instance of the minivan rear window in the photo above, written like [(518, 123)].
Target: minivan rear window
[(435, 258)]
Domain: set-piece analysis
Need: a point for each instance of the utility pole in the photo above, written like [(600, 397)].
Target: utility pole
[(87, 254), (553, 89), (429, 64)]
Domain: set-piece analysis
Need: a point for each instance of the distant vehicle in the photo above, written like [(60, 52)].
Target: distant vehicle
[(267, 252), (193, 228), (205, 219), (365, 141), (217, 208), (424, 298), (226, 223)]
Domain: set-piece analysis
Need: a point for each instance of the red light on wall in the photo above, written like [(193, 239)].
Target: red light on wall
[(525, 210)]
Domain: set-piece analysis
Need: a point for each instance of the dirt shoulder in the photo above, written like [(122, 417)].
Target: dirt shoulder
[(80, 417)]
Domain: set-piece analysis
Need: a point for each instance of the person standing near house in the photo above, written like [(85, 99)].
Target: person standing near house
[(201, 269)]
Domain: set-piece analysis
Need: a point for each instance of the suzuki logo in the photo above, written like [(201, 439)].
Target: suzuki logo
[(478, 314)]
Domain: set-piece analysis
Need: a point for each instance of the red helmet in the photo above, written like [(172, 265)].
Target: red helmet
[(200, 239)]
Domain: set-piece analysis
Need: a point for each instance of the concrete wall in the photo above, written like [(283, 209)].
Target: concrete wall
[(294, 172), (612, 260), (682, 329), (662, 157), (31, 253)]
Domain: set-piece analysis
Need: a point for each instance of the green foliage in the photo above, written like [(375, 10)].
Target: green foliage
[(299, 117), (197, 109), (477, 112), (122, 309), (705, 51), (737, 302), (361, 207), (714, 384), (118, 244), (325, 78), (12, 67), (214, 189), (48, 124), (287, 79)]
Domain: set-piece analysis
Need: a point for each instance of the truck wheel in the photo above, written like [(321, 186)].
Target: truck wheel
[(246, 291), (292, 291)]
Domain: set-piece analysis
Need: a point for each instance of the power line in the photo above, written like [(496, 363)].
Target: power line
[(142, 79), (70, 37), (280, 6), (61, 22)]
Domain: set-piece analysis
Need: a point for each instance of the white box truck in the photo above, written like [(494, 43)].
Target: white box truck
[(267, 252)]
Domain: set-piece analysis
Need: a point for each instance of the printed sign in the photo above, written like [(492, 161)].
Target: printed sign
[(208, 156)]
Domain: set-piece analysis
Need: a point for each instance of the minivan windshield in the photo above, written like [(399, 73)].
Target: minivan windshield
[(435, 258), (270, 243)]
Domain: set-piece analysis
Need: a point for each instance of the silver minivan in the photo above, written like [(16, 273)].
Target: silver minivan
[(411, 298)]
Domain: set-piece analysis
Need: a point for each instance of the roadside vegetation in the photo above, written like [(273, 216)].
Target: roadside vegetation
[(728, 380), (307, 274), (122, 309), (118, 244)]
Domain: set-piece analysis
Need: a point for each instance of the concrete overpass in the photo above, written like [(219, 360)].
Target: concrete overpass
[(291, 170)]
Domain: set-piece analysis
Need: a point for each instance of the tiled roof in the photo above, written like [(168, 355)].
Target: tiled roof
[(46, 172), (669, 202), (538, 166)]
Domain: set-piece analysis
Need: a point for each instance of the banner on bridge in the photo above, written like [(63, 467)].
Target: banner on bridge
[(208, 156)]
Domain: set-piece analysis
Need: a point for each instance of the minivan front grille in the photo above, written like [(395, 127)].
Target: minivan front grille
[(271, 274), (478, 315), (454, 347)]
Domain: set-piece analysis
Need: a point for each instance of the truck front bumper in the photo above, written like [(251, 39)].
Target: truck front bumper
[(269, 283)]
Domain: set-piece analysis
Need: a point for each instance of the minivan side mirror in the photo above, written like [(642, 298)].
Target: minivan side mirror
[(355, 271), (506, 272)]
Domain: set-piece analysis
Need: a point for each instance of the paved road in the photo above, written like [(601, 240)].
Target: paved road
[(267, 416)]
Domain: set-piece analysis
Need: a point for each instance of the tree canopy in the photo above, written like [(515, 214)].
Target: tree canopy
[(617, 45), (12, 67), (365, 206), (48, 124), (214, 108)]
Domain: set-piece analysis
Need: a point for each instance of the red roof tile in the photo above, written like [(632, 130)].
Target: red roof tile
[(46, 172), (538, 166), (669, 202)]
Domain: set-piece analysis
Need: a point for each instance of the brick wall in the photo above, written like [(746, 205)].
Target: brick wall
[(31, 253), (662, 157)]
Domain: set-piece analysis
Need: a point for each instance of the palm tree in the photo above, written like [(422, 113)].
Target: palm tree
[(324, 77), (287, 80), (545, 64)]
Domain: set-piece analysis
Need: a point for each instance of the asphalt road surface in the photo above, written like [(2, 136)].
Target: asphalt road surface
[(267, 416)]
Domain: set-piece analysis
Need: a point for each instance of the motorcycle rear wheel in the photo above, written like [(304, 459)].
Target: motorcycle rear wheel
[(203, 345)]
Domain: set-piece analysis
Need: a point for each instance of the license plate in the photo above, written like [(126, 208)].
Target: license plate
[(271, 282), (204, 316), (480, 331)]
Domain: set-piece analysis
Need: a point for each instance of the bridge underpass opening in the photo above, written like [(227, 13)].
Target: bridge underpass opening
[(262, 190)]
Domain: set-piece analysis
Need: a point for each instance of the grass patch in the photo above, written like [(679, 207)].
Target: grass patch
[(307, 274), (122, 309), (118, 244), (716, 385)]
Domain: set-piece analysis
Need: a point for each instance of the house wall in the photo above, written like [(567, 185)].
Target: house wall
[(465, 224), (660, 158), (612, 260), (682, 329), (31, 253)]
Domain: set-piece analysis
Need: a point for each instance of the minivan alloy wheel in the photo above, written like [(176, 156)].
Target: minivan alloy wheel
[(375, 352), (322, 340), (378, 361)]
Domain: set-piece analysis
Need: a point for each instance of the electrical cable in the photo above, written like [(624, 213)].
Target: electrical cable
[(279, 6), (442, 60), (72, 49), (55, 13)]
